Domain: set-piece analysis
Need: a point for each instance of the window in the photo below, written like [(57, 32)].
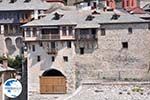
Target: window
[(84, 31), (33, 48), (6, 29), (89, 18), (81, 51), (130, 30), (34, 32), (53, 58), (93, 30), (125, 45), (10, 29), (103, 32), (26, 1), (57, 16), (149, 26), (41, 44), (69, 44), (70, 30), (115, 17), (12, 1), (64, 31), (65, 58), (28, 30), (53, 45), (38, 58)]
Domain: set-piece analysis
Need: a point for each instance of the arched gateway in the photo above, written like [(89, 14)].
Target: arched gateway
[(52, 81)]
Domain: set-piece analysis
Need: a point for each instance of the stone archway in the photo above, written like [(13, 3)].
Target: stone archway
[(9, 45), (52, 81), (19, 42)]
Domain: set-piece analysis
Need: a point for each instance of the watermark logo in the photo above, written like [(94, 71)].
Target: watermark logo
[(12, 88)]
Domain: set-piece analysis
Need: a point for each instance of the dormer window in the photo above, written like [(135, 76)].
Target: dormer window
[(26, 1), (115, 17), (12, 1), (89, 18), (57, 16), (95, 12)]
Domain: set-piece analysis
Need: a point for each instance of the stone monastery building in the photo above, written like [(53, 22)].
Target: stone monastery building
[(72, 45), (100, 40)]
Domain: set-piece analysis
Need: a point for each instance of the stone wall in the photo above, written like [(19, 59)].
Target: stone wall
[(36, 69), (111, 61), (104, 58)]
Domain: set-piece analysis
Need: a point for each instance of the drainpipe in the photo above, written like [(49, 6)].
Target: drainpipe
[(5, 65)]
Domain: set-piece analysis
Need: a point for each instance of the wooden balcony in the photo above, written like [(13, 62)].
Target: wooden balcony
[(86, 37), (25, 20), (52, 51), (50, 37), (13, 34)]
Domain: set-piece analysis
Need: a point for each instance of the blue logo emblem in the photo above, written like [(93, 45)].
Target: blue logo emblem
[(12, 88)]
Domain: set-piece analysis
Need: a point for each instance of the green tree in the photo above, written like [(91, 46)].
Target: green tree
[(13, 62)]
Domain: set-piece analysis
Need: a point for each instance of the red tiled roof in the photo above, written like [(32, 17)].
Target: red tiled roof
[(137, 10)]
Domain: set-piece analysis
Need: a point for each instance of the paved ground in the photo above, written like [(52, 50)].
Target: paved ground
[(48, 97), (104, 91), (112, 92)]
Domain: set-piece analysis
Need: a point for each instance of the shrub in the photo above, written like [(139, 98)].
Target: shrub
[(137, 89)]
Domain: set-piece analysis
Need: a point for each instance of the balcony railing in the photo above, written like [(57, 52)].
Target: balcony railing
[(86, 36), (25, 20), (12, 34), (50, 36), (52, 51)]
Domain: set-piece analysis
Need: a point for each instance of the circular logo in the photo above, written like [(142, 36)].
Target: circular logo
[(12, 88)]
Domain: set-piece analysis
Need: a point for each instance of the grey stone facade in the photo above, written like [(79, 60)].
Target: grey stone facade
[(103, 59), (103, 47), (113, 62)]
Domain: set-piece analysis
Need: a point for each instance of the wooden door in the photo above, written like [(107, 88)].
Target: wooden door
[(52, 84)]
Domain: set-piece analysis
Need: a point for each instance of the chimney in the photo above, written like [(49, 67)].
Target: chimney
[(111, 4), (5, 61), (129, 4)]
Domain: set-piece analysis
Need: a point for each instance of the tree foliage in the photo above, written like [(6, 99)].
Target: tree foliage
[(13, 62)]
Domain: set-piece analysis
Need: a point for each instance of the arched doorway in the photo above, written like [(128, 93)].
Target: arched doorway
[(52, 81)]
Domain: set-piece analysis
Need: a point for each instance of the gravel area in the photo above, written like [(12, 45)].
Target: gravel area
[(104, 91), (112, 92)]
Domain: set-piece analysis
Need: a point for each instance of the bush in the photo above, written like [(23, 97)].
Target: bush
[(13, 62), (137, 89)]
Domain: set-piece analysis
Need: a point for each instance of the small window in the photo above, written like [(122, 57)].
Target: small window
[(33, 48), (149, 26), (53, 45), (130, 30), (69, 44), (81, 51), (12, 1), (26, 1), (53, 58), (89, 18), (125, 45), (38, 58), (65, 58), (41, 44), (103, 32)]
